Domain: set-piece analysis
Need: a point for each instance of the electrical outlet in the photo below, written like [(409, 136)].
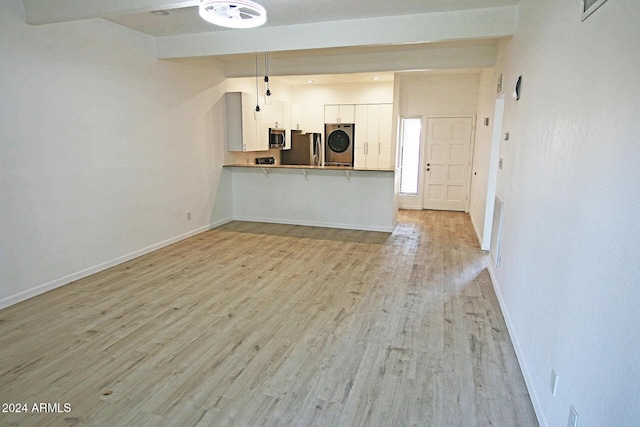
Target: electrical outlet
[(188, 216), (573, 417), (554, 382)]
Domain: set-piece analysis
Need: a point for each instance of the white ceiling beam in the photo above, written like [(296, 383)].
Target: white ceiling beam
[(38, 12), (419, 28), (402, 58)]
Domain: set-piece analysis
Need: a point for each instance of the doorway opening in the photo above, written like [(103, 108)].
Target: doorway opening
[(492, 176)]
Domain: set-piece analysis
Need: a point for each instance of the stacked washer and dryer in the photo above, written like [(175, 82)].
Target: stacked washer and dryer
[(338, 149)]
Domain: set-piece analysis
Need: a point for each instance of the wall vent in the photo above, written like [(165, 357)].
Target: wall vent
[(590, 6)]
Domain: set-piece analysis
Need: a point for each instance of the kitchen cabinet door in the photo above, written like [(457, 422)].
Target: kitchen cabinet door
[(360, 137), (277, 117), (286, 125), (373, 136), (385, 137), (344, 113), (297, 116), (243, 130), (263, 136), (269, 114)]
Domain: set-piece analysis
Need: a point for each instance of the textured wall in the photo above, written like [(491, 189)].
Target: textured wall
[(104, 150), (569, 279)]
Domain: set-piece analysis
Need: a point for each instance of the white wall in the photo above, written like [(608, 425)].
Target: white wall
[(104, 150), (569, 282), (426, 94)]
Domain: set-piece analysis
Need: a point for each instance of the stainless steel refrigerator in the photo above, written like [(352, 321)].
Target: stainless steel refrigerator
[(306, 149)]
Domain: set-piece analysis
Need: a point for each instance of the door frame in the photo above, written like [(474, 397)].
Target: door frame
[(492, 173), (423, 160)]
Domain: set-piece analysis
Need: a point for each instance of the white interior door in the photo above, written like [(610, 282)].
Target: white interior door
[(448, 164)]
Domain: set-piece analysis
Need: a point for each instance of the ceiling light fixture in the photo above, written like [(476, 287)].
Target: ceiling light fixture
[(256, 114), (233, 13), (266, 75)]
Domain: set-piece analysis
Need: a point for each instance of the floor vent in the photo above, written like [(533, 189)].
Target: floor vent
[(496, 231)]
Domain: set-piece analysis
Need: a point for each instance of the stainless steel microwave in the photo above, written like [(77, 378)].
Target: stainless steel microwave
[(277, 138)]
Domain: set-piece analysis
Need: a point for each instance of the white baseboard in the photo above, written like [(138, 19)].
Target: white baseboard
[(475, 229), (40, 289), (528, 379)]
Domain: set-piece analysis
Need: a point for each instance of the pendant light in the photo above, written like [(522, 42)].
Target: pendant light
[(257, 110), (266, 77), (233, 13)]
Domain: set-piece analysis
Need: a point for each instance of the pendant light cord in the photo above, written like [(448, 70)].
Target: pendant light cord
[(266, 73), (257, 88)]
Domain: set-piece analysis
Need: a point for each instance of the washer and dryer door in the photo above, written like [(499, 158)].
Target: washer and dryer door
[(339, 144), (338, 141)]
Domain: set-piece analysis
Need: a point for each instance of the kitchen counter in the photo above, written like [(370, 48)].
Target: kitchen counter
[(340, 168), (323, 196)]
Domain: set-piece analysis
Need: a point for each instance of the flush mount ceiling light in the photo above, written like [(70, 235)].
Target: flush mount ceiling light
[(233, 14)]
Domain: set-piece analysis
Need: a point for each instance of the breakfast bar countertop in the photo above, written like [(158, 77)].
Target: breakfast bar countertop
[(338, 168)]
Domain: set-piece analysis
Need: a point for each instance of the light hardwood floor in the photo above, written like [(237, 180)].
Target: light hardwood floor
[(256, 324)]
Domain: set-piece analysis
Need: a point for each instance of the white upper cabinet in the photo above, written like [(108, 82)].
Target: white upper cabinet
[(373, 139), (286, 116), (344, 113), (297, 116), (385, 137), (243, 130), (360, 137)]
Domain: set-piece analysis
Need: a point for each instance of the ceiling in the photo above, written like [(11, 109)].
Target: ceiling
[(313, 37), (186, 20)]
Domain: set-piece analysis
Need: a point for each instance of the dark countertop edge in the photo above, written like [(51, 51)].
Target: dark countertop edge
[(331, 168)]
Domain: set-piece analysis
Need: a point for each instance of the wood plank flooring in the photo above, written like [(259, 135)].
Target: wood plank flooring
[(257, 324)]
